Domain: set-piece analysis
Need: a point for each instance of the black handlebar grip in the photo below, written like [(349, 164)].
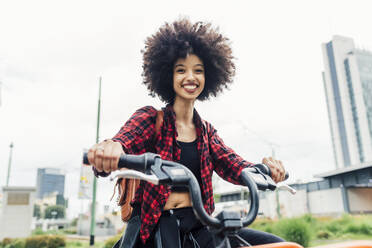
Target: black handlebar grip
[(135, 162), (266, 170), (85, 158)]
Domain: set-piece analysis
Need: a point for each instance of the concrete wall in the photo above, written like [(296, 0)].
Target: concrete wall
[(268, 205), (16, 212), (321, 202), (360, 199), (349, 192), (327, 201), (290, 205), (293, 205), (102, 228)]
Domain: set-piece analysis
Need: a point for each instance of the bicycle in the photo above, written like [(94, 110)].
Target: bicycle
[(151, 168)]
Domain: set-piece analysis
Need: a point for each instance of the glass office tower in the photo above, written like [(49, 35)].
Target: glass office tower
[(348, 88), (49, 180)]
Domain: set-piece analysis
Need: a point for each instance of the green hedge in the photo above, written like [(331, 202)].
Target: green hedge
[(13, 243), (358, 225), (295, 230), (6, 241), (45, 241), (320, 228), (362, 228)]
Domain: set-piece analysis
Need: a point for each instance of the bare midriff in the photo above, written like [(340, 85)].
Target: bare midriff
[(178, 200)]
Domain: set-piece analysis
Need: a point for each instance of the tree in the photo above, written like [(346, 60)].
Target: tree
[(54, 212)]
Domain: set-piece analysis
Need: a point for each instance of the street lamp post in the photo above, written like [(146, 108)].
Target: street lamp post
[(10, 163), (93, 209)]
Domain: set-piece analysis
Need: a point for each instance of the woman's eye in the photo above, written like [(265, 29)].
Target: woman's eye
[(199, 71), (180, 70)]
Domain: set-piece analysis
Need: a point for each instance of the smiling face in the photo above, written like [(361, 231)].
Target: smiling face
[(188, 77)]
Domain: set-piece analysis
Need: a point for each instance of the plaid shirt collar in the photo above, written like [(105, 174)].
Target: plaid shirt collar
[(170, 117)]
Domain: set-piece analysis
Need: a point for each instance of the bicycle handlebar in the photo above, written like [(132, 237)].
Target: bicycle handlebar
[(172, 173)]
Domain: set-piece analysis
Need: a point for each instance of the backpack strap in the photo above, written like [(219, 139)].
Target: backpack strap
[(159, 121), (127, 187)]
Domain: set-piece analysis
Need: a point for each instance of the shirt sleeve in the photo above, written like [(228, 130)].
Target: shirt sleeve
[(227, 163), (137, 133)]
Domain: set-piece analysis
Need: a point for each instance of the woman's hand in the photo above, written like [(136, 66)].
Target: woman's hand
[(276, 167), (105, 156)]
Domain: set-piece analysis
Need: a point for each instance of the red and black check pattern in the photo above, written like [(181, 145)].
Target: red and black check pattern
[(137, 137)]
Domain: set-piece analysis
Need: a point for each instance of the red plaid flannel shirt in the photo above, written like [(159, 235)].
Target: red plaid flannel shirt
[(137, 137)]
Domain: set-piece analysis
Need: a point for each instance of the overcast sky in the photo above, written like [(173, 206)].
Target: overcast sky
[(53, 52)]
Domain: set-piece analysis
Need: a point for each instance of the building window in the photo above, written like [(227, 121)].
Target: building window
[(18, 198), (354, 110), (337, 100), (365, 70)]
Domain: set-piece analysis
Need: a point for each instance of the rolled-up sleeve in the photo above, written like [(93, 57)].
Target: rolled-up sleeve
[(136, 134), (227, 163)]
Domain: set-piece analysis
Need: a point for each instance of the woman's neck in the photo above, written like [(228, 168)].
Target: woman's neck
[(184, 110)]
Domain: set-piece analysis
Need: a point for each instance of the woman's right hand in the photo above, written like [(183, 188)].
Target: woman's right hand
[(105, 156)]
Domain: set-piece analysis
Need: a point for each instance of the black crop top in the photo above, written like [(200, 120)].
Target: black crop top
[(190, 158)]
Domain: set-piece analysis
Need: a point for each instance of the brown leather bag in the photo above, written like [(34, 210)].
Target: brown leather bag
[(127, 187)]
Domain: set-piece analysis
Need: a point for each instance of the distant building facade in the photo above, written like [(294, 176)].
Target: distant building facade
[(16, 212), (49, 181), (345, 190), (347, 80)]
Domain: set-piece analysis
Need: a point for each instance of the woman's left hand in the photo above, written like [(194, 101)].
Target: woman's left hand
[(276, 167)]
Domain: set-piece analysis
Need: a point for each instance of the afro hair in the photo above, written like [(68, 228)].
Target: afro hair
[(177, 40)]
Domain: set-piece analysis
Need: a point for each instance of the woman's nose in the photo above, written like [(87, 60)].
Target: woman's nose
[(190, 76)]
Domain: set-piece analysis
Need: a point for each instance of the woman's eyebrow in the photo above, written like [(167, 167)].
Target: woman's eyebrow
[(184, 65)]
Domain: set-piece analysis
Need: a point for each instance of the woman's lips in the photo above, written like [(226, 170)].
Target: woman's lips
[(190, 88)]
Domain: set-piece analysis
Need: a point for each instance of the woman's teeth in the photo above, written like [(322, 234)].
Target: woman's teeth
[(190, 87)]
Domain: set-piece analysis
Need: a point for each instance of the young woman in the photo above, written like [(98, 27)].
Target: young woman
[(183, 62)]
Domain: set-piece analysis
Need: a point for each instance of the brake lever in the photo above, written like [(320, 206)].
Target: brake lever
[(271, 185), (136, 175), (158, 170), (282, 185)]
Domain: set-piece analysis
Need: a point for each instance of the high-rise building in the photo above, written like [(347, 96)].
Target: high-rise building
[(49, 180), (347, 80)]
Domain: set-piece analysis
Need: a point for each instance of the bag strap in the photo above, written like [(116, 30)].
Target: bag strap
[(159, 121), (158, 124)]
